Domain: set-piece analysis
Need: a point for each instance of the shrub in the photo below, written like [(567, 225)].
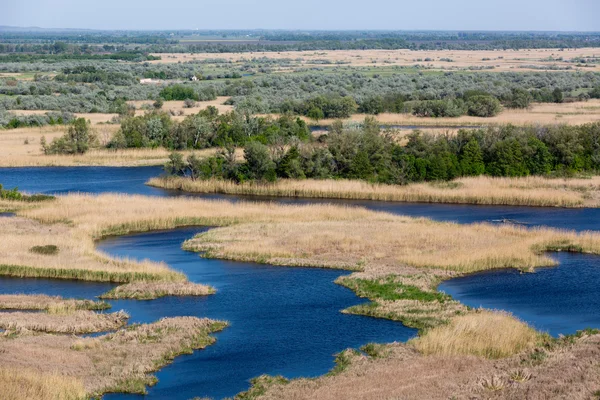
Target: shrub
[(483, 106), (77, 140), (48, 250), (179, 92)]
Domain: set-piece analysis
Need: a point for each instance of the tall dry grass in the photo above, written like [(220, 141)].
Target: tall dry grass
[(530, 191), (50, 304), (24, 384), (74, 322), (281, 234), (119, 361), (485, 334), (386, 243)]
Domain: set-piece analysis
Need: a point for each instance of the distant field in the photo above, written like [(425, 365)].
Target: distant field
[(495, 60), (178, 106), (575, 113)]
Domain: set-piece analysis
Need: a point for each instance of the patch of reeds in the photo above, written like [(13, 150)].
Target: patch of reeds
[(50, 304), (25, 384), (530, 191), (154, 290), (74, 322), (486, 334)]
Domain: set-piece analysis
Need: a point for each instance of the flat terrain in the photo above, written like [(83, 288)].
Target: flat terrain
[(529, 191), (575, 113), (177, 107), (398, 261), (492, 60)]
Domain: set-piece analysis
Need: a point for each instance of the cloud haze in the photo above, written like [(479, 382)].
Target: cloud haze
[(581, 15)]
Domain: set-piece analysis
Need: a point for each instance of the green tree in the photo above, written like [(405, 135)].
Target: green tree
[(315, 113), (483, 106), (471, 159), (77, 140), (259, 164), (557, 96), (520, 98)]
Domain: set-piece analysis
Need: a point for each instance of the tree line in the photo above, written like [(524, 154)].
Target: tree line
[(375, 156)]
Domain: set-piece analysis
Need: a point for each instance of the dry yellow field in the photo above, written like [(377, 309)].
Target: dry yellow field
[(416, 251), (177, 106), (501, 60), (575, 113), (21, 148), (528, 191)]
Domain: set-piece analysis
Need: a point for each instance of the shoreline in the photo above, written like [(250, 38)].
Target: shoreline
[(544, 192)]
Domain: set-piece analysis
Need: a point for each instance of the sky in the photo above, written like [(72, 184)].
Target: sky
[(554, 15)]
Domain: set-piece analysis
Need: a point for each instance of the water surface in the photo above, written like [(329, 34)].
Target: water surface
[(557, 300), (130, 180), (283, 321)]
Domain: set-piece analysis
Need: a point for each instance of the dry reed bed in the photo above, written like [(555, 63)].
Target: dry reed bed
[(50, 304), (529, 191), (20, 384), (485, 334), (153, 290), (75, 322), (565, 371), (384, 243), (313, 235), (317, 235), (120, 361)]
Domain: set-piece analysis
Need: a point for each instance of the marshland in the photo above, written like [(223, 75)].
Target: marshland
[(290, 215)]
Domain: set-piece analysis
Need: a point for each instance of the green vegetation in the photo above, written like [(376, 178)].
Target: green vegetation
[(12, 121), (78, 139), (367, 154), (259, 386), (47, 250), (206, 129), (390, 289), (14, 194)]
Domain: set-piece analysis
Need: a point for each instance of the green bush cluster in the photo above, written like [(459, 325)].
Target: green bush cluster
[(368, 154), (206, 129)]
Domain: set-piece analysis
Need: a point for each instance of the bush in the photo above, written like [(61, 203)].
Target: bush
[(47, 250), (189, 103), (77, 140), (483, 106), (179, 92)]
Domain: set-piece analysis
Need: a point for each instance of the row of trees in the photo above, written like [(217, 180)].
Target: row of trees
[(12, 121), (206, 129), (370, 155)]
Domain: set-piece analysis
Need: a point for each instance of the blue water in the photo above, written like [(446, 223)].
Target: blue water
[(557, 300), (283, 321), (286, 320), (131, 180)]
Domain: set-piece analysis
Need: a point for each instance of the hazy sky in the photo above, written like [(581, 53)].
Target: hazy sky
[(305, 14)]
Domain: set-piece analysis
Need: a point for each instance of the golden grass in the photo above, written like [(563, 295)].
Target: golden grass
[(50, 304), (177, 107), (328, 235), (385, 243), (73, 322), (21, 384), (530, 191), (76, 259), (120, 361), (153, 290), (575, 113), (562, 372), (504, 60), (485, 334)]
